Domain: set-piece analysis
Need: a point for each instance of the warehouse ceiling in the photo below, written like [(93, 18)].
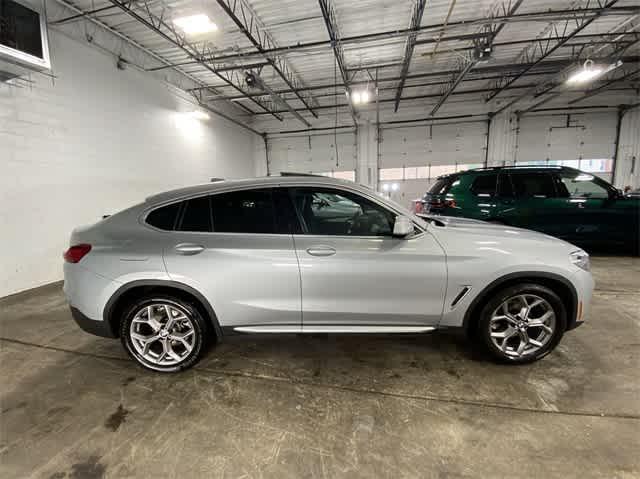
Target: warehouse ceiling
[(313, 63)]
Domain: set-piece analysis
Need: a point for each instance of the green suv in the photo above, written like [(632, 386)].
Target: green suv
[(563, 202)]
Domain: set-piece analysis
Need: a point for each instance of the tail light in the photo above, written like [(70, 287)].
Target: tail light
[(76, 253), (437, 204)]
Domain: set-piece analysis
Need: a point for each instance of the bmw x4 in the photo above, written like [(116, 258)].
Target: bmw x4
[(301, 254)]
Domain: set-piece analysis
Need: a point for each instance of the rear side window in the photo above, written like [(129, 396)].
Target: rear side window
[(441, 186), (249, 211), (164, 218), (485, 185), (536, 185), (196, 215)]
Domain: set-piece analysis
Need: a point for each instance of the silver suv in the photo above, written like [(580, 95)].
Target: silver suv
[(314, 255)]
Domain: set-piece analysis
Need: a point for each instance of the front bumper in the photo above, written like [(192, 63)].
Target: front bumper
[(584, 284)]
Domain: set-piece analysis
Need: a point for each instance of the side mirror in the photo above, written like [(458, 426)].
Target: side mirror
[(402, 227)]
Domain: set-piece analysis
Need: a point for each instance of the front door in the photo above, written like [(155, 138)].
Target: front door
[(592, 210), (232, 248), (354, 272)]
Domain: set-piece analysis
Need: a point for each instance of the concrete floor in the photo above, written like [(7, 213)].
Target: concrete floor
[(74, 406)]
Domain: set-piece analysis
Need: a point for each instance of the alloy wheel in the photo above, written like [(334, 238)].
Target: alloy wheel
[(162, 334), (522, 325)]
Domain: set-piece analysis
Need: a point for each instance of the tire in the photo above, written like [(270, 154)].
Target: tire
[(170, 351), (503, 330)]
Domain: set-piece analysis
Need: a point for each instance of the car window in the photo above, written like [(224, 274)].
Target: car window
[(505, 188), (485, 185), (164, 218), (442, 185), (582, 185), (248, 211), (335, 212), (196, 215), (286, 217), (533, 185)]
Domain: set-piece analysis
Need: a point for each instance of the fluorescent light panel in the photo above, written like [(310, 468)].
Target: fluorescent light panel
[(584, 75), (198, 115), (195, 24)]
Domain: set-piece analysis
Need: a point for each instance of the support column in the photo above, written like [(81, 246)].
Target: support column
[(367, 161), (502, 142)]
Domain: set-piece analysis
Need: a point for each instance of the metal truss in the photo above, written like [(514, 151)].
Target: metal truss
[(626, 35), (329, 15), (628, 72), (416, 19), (553, 37), (144, 14), (251, 26), (481, 51)]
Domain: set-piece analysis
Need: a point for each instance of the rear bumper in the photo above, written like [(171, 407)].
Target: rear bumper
[(97, 327)]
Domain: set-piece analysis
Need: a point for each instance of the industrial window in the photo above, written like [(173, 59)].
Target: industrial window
[(590, 165), (349, 175), (249, 211), (423, 172), (485, 185), (164, 218), (390, 174), (197, 215), (537, 185)]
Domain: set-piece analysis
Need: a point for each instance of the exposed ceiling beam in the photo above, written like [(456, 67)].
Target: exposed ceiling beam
[(252, 28), (508, 69), (84, 14), (329, 15), (474, 91), (167, 32), (416, 19), (482, 47), (543, 16), (541, 49), (612, 54)]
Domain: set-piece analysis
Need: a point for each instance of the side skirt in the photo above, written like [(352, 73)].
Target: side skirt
[(347, 329)]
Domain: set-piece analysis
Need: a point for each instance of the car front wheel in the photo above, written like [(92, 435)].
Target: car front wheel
[(522, 323), (163, 333)]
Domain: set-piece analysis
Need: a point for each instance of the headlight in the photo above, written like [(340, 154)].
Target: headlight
[(581, 259)]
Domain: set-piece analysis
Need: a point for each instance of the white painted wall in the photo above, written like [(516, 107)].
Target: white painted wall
[(91, 142)]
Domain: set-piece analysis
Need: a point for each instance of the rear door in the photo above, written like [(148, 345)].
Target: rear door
[(233, 248), (535, 203)]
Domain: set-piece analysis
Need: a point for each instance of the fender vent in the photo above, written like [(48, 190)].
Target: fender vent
[(460, 295)]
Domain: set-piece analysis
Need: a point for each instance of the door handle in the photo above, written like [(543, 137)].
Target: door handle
[(321, 251), (189, 249)]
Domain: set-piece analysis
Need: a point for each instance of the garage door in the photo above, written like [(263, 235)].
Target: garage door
[(583, 141), (411, 157), (314, 154)]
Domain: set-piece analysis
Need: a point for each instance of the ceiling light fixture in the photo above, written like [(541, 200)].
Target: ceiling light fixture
[(199, 115), (195, 24), (587, 73), (360, 97)]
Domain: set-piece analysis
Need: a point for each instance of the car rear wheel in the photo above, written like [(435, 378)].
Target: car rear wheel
[(163, 333), (522, 323)]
